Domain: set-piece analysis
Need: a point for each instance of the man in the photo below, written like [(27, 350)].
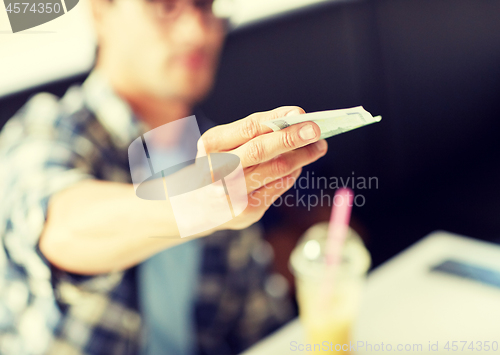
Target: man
[(84, 269)]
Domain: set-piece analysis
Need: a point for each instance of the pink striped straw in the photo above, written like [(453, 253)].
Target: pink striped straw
[(337, 233), (339, 225)]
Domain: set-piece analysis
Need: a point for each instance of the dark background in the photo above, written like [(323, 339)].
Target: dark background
[(431, 68)]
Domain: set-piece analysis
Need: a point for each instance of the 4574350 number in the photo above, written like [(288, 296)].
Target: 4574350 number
[(471, 345), (40, 7)]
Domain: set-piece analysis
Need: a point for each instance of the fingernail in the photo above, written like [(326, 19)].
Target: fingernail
[(320, 145), (307, 132), (294, 112)]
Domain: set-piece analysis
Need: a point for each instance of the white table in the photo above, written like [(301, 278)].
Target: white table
[(406, 305)]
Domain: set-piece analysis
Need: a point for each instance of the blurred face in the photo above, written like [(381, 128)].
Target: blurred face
[(164, 48)]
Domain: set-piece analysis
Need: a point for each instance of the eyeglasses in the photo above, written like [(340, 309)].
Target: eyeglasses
[(211, 10)]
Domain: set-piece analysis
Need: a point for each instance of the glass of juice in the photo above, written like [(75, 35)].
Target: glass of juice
[(328, 297)]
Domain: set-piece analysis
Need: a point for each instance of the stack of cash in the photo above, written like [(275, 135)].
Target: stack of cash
[(331, 122)]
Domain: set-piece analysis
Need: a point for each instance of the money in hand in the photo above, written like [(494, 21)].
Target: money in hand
[(331, 122)]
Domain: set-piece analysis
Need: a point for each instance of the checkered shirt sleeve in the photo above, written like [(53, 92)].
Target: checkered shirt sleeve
[(44, 149)]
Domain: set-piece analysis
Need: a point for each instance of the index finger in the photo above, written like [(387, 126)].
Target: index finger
[(232, 135), (268, 146)]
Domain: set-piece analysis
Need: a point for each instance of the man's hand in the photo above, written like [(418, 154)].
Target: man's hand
[(272, 161), (101, 226)]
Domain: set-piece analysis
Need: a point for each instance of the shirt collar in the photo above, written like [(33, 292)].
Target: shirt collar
[(111, 111)]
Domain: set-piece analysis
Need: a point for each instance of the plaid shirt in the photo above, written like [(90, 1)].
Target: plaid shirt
[(50, 145)]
